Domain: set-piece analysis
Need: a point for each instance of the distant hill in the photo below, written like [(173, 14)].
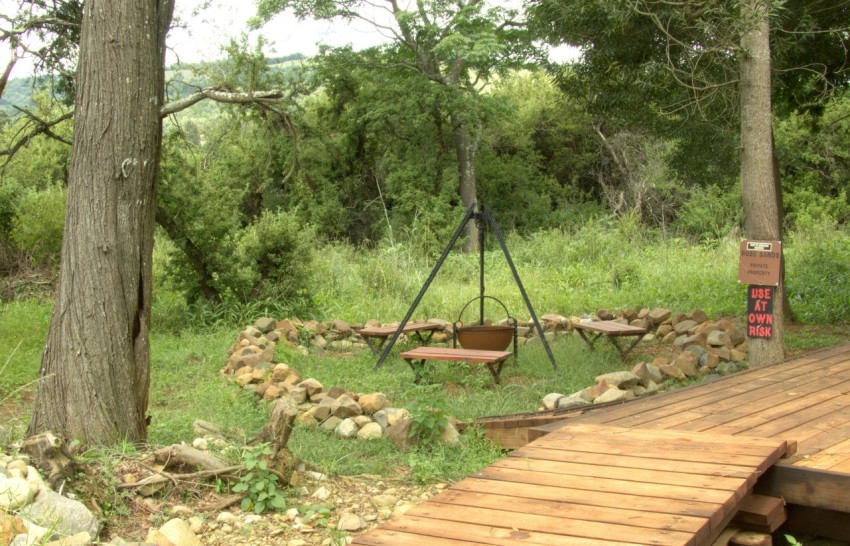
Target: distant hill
[(19, 91)]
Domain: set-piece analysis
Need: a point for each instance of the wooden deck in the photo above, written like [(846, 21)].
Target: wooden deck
[(669, 470), (594, 485)]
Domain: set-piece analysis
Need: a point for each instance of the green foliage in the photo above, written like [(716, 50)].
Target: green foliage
[(39, 223), (428, 418), (711, 214), (817, 272), (792, 541), (259, 484)]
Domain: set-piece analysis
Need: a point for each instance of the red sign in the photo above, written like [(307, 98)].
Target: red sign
[(760, 311), (760, 262)]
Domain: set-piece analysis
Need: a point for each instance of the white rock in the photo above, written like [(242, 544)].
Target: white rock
[(227, 517), (350, 522), (611, 395), (321, 493), (370, 431), (14, 493), (177, 531), (550, 401), (200, 443)]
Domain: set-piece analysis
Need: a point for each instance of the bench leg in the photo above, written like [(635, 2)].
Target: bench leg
[(418, 367), (495, 371), (625, 352), (424, 339), (376, 349), (590, 341)]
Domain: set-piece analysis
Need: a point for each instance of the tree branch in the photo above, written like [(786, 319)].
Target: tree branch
[(218, 95)]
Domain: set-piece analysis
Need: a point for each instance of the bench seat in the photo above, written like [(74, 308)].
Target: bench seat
[(494, 360)]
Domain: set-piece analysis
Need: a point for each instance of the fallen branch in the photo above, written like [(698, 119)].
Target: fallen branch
[(185, 455), (163, 477)]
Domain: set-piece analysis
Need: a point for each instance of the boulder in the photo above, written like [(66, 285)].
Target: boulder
[(345, 406), (265, 324), (399, 434), (620, 380), (720, 338), (688, 363), (672, 372), (550, 401), (178, 532), (312, 385), (347, 429), (14, 493), (605, 314), (611, 395), (60, 514), (658, 315), (370, 431), (685, 326), (370, 403), (698, 316)]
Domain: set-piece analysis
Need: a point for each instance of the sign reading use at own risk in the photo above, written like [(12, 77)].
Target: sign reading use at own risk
[(760, 311)]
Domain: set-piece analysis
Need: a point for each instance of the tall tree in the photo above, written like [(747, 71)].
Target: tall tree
[(712, 59), (760, 186), (459, 45), (95, 370)]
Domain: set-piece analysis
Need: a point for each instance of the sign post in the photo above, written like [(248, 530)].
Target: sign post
[(760, 266)]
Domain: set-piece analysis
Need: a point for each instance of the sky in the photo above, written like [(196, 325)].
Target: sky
[(203, 31)]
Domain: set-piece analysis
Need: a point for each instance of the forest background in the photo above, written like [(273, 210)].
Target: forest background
[(616, 185)]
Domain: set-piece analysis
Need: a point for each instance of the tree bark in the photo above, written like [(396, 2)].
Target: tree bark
[(95, 369), (466, 148), (762, 214)]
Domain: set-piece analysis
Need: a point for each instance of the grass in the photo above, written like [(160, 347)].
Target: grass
[(612, 266)]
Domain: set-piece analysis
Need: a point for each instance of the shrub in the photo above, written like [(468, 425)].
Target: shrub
[(38, 224), (711, 213)]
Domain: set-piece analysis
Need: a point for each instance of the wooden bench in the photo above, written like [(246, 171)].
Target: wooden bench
[(493, 359), (612, 330), (384, 332)]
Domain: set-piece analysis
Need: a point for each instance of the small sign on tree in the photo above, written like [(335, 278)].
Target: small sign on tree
[(760, 311), (760, 263)]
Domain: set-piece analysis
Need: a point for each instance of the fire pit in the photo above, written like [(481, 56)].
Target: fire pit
[(486, 338)]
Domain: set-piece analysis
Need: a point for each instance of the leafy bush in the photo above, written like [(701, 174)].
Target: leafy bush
[(818, 276), (259, 484), (711, 213), (39, 223)]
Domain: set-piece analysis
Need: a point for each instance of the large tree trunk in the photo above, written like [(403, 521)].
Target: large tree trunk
[(762, 216), (95, 370), (466, 148)]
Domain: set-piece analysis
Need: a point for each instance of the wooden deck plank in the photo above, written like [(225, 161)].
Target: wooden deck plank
[(659, 477), (634, 461), (799, 414), (652, 449), (408, 529), (741, 388), (677, 493), (553, 525), (699, 527), (564, 493), (747, 403)]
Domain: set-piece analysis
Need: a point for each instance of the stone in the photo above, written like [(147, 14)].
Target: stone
[(399, 434), (598, 389), (312, 385), (663, 330), (156, 538), (380, 417), (570, 402), (720, 338), (556, 320), (695, 339), (384, 501), (10, 527), (347, 429), (335, 392), (669, 337), (640, 323), (685, 326), (550, 401), (722, 352), (323, 410), (272, 392), (361, 420), (298, 394), (672, 372), (77, 539), (331, 423), (736, 336), (688, 363), (370, 431), (341, 327), (14, 493), (350, 522), (698, 315), (227, 517), (315, 327), (265, 324), (321, 493), (611, 395), (345, 406), (646, 372), (737, 356), (178, 532), (709, 360), (281, 371), (620, 380), (605, 314), (700, 352), (370, 403), (449, 435), (658, 315), (726, 368), (394, 415), (308, 420)]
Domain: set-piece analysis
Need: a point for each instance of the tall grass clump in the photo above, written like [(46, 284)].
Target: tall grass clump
[(817, 274)]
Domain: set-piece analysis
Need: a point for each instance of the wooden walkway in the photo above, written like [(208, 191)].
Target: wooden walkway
[(666, 470), (594, 485)]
